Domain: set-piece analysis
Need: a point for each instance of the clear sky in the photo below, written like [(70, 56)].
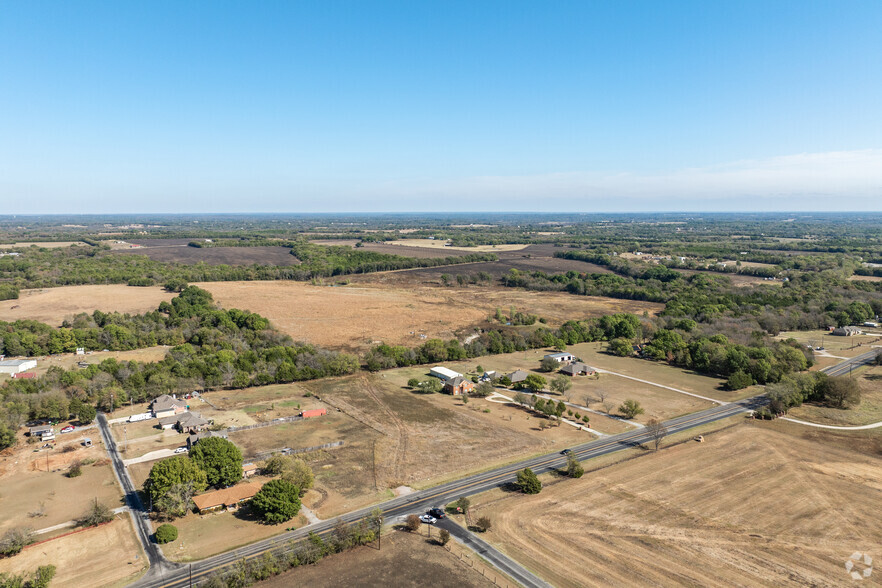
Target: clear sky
[(185, 106)]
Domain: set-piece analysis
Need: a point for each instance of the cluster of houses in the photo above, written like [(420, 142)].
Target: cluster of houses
[(174, 413), (457, 384)]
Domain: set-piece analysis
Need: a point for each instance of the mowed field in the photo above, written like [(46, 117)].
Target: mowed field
[(53, 305), (109, 555), (750, 506), (405, 559), (353, 317), (44, 244)]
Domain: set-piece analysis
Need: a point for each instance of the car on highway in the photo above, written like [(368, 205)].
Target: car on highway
[(181, 450), (566, 452), (68, 429), (436, 512), (428, 519)]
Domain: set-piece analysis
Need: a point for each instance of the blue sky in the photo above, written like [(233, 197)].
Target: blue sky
[(433, 106)]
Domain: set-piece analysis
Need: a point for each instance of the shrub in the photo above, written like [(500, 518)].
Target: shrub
[(412, 523), (443, 536), (528, 482), (484, 523), (166, 533), (96, 514), (14, 540), (75, 470)]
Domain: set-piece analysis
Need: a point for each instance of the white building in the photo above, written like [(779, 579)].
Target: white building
[(443, 373), (16, 366), (562, 357)]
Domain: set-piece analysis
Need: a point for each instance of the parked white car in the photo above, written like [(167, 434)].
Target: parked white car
[(181, 450), (429, 520)]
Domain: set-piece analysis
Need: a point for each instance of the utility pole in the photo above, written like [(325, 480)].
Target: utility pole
[(191, 575)]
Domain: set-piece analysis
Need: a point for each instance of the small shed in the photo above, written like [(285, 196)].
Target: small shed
[(314, 412), (248, 470)]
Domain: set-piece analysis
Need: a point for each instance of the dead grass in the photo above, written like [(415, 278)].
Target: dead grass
[(763, 509), (406, 559), (843, 347), (109, 555), (26, 486), (355, 317), (53, 305), (70, 360), (201, 536)]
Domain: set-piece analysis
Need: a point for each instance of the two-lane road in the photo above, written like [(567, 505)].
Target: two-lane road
[(439, 495), (841, 369)]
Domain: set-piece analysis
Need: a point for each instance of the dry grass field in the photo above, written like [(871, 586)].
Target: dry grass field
[(405, 559), (839, 347), (27, 488), (353, 317), (750, 506), (201, 536), (53, 305), (866, 278), (109, 555)]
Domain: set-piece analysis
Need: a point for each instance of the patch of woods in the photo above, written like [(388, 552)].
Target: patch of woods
[(213, 348), (76, 265), (342, 536)]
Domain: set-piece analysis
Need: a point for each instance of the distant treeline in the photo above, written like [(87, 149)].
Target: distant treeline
[(78, 265)]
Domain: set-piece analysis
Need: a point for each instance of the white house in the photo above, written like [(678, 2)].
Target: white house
[(16, 366), (443, 373), (563, 357)]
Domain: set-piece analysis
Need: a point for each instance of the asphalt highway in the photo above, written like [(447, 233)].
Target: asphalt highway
[(841, 369), (178, 576)]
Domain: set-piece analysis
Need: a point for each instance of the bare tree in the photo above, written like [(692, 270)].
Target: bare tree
[(657, 431), (608, 406), (601, 395)]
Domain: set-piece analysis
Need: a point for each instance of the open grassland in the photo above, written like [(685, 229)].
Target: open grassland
[(109, 555), (354, 317), (406, 559), (750, 506), (53, 305), (867, 412), (866, 278), (201, 536), (31, 496)]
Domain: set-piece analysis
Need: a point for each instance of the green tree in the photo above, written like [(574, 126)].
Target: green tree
[(739, 380), (413, 382), (549, 364), (443, 536), (528, 482), (300, 474), (220, 459), (561, 384), (7, 436), (535, 382), (631, 408), (463, 504), (174, 470), (483, 390), (278, 501), (574, 468), (430, 386), (484, 523), (620, 346), (86, 413), (42, 577), (166, 533), (841, 392)]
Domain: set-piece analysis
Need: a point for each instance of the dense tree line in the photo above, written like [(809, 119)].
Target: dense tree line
[(214, 348)]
